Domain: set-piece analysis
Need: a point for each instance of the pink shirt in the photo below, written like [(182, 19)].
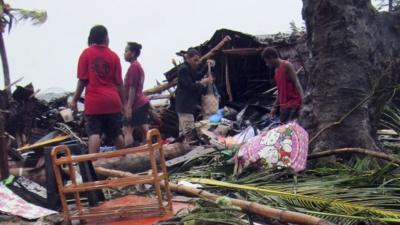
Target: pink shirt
[(288, 96), (134, 79)]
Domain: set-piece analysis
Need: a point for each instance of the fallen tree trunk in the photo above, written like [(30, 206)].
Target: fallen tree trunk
[(140, 162), (252, 207)]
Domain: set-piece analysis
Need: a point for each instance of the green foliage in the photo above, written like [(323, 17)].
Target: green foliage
[(391, 118), (36, 17), (219, 212), (10, 16), (359, 191)]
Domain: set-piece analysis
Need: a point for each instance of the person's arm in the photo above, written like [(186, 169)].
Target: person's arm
[(78, 92), (132, 81), (274, 108), (118, 81), (83, 79), (294, 78), (129, 102), (187, 82), (121, 93)]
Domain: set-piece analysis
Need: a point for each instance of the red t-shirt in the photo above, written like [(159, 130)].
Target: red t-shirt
[(135, 78), (101, 67), (288, 96)]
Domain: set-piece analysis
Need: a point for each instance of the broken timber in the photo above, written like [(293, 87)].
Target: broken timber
[(252, 207)]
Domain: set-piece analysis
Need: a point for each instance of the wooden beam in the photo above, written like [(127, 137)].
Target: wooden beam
[(227, 81), (242, 51), (158, 97), (160, 88)]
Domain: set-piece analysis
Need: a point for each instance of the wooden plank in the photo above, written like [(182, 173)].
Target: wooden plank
[(122, 182), (40, 145), (195, 153), (227, 80), (95, 156), (160, 88), (242, 51)]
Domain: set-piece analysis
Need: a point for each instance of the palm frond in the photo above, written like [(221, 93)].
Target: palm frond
[(391, 118), (316, 203), (37, 17)]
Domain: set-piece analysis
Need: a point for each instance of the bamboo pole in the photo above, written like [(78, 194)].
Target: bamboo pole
[(252, 207)]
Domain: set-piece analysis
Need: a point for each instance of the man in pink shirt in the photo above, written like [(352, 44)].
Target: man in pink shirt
[(137, 104)]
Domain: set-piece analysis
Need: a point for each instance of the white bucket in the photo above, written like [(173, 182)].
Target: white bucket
[(67, 115)]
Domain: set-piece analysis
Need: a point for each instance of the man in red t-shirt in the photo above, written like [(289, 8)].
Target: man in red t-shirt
[(290, 92), (99, 72), (137, 104)]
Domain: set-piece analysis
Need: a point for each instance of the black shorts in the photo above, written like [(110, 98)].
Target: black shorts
[(110, 124), (289, 114), (139, 117)]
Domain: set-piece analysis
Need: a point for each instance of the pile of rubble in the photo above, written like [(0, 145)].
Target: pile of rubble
[(245, 84)]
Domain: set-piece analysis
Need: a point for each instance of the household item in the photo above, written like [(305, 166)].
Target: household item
[(156, 207)]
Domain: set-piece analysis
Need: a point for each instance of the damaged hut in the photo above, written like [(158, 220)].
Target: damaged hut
[(241, 76)]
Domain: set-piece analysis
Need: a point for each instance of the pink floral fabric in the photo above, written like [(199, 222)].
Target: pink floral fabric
[(283, 146)]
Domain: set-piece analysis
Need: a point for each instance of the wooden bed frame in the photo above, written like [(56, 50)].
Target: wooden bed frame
[(158, 207)]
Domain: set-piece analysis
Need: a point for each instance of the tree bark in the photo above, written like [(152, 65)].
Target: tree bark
[(355, 64), (6, 70), (4, 169)]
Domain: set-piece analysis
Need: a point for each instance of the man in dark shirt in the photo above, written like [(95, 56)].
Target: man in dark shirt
[(190, 88)]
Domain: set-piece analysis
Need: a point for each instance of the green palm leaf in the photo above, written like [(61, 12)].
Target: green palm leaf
[(320, 204)]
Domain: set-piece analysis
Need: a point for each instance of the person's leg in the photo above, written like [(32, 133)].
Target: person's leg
[(140, 121), (293, 114), (119, 142), (284, 115), (186, 126), (94, 143), (93, 130), (145, 129), (128, 135), (114, 129)]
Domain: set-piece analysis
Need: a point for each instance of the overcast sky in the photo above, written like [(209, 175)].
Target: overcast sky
[(47, 55)]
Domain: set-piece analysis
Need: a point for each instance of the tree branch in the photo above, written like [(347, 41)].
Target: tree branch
[(369, 152)]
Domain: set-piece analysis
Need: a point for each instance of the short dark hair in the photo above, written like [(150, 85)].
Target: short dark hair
[(135, 47), (192, 52), (270, 53), (97, 35)]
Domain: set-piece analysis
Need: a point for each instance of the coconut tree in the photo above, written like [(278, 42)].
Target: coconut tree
[(355, 69), (8, 17)]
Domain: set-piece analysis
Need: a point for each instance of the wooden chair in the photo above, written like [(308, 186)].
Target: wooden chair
[(158, 207)]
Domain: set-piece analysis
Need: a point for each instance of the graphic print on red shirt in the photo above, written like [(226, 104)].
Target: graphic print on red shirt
[(101, 68)]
